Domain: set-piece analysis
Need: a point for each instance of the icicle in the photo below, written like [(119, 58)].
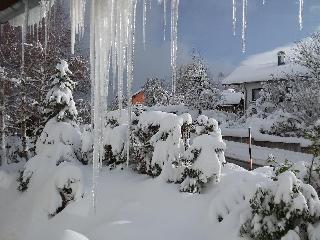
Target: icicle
[(234, 16), (130, 60), (174, 42), (77, 9), (24, 34), (301, 5), (164, 19), (144, 15), (111, 49), (244, 24)]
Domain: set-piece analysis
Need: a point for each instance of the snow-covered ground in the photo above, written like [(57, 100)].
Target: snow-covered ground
[(132, 206)]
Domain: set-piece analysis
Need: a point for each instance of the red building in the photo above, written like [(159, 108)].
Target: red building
[(138, 98)]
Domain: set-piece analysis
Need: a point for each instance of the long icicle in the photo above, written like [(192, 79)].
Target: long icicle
[(174, 43), (144, 16), (301, 5), (130, 60), (164, 19), (244, 25), (234, 16)]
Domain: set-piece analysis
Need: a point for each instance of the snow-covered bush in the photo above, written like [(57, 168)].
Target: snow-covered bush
[(283, 208), (115, 138), (202, 161), (66, 187), (87, 144), (205, 125), (143, 130), (167, 144)]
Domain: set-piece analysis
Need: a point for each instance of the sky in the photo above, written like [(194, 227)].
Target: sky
[(206, 25)]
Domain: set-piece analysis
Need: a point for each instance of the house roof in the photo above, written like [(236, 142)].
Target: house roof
[(10, 9), (263, 67)]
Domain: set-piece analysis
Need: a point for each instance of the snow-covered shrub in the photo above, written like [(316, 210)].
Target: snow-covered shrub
[(205, 125), (59, 142), (167, 144), (67, 186), (87, 144), (150, 133), (202, 162), (281, 207), (115, 138)]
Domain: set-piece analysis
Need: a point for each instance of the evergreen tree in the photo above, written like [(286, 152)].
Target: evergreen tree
[(155, 92), (195, 85), (59, 100)]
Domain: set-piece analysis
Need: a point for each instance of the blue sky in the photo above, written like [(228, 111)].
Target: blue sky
[(206, 25)]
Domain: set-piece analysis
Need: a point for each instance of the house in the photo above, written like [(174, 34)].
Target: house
[(231, 101), (138, 98), (258, 69)]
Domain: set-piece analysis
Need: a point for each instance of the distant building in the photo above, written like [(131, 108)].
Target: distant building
[(260, 68), (138, 98)]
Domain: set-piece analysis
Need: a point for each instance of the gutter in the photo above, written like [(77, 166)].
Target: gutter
[(15, 9)]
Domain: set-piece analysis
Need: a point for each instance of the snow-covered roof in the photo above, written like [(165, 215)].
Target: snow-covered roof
[(231, 97), (261, 67)]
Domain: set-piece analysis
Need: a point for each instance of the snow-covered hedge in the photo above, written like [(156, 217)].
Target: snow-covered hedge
[(55, 165), (283, 209)]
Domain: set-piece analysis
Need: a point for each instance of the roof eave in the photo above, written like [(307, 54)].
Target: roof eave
[(16, 9)]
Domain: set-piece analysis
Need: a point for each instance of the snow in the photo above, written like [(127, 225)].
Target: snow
[(314, 231), (5, 179), (231, 97), (72, 235), (129, 202), (63, 68), (261, 67)]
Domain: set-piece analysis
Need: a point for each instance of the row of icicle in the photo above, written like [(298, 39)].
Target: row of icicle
[(245, 17), (112, 40)]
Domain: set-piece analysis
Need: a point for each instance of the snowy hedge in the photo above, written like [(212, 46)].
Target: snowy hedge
[(160, 145)]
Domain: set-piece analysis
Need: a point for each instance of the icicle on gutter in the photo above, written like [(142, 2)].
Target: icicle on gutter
[(234, 16), (301, 5), (174, 43), (244, 24)]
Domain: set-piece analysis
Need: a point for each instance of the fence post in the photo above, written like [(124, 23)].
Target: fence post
[(250, 150)]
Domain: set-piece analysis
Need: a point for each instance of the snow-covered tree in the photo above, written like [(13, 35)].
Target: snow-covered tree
[(42, 48), (59, 100), (155, 92), (195, 86)]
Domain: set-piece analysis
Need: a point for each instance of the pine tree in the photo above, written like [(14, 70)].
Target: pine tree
[(195, 86), (155, 92), (59, 100)]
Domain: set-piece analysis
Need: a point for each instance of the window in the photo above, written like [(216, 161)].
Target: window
[(256, 94)]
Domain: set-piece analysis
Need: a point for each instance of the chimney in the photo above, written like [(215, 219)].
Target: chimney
[(281, 57)]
